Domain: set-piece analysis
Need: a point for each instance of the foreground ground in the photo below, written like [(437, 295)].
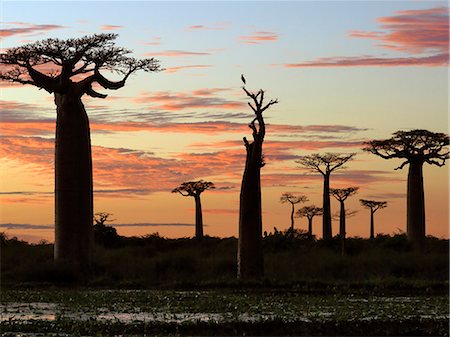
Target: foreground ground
[(220, 312)]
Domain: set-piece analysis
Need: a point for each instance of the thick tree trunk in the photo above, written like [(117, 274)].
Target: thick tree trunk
[(73, 183), (342, 227), (250, 255), (198, 218), (292, 219), (372, 229), (415, 213), (310, 228), (326, 216)]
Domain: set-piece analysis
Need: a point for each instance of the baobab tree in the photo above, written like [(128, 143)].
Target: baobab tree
[(414, 147), (325, 164), (194, 189), (309, 212), (76, 65), (293, 200), (341, 194), (373, 206), (250, 255)]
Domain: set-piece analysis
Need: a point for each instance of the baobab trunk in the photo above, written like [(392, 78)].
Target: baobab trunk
[(73, 183), (310, 228), (342, 227), (326, 217), (415, 213), (292, 219), (198, 218), (250, 255), (372, 226)]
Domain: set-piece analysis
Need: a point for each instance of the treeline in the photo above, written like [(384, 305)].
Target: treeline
[(385, 263)]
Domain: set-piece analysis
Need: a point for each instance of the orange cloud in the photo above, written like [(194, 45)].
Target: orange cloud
[(177, 53), (259, 37)]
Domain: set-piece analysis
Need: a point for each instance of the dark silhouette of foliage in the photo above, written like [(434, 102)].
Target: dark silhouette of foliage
[(341, 194), (373, 206), (415, 148), (101, 218), (78, 65), (309, 212), (325, 164), (293, 200), (194, 189), (250, 256)]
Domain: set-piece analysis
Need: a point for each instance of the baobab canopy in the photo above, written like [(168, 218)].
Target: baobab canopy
[(53, 64)]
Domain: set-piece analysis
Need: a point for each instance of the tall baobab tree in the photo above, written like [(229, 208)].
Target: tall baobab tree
[(309, 212), (293, 200), (76, 66), (250, 255), (373, 206), (194, 189), (341, 194), (414, 147), (325, 164)]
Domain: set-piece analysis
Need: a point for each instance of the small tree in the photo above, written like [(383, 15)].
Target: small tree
[(415, 148), (250, 257), (101, 218), (194, 189), (309, 212), (341, 194), (325, 164), (373, 206), (103, 234), (84, 57), (293, 200)]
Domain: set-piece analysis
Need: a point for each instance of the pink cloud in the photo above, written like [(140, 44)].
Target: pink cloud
[(26, 28), (110, 27), (259, 37), (416, 32), (215, 26), (179, 68), (177, 53)]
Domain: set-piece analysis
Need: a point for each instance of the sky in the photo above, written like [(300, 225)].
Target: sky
[(343, 72)]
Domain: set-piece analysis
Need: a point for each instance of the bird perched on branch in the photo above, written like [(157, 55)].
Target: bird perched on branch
[(243, 78)]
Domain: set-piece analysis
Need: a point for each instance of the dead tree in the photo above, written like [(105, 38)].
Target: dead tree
[(194, 189), (250, 256), (373, 206), (341, 194), (415, 148), (77, 65), (325, 164), (293, 200), (309, 212)]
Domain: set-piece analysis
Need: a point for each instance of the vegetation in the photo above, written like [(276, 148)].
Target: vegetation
[(195, 189), (415, 147), (70, 60)]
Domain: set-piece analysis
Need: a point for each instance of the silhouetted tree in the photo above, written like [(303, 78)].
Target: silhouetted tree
[(373, 206), (101, 218), (194, 189), (103, 234), (250, 256), (72, 59), (293, 200), (325, 164), (309, 212), (415, 147), (341, 194)]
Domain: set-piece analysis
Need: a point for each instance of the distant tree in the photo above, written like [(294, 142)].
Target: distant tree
[(250, 256), (293, 200), (70, 60), (341, 194), (373, 206), (309, 212), (101, 218), (325, 164), (194, 189), (103, 234), (415, 147)]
